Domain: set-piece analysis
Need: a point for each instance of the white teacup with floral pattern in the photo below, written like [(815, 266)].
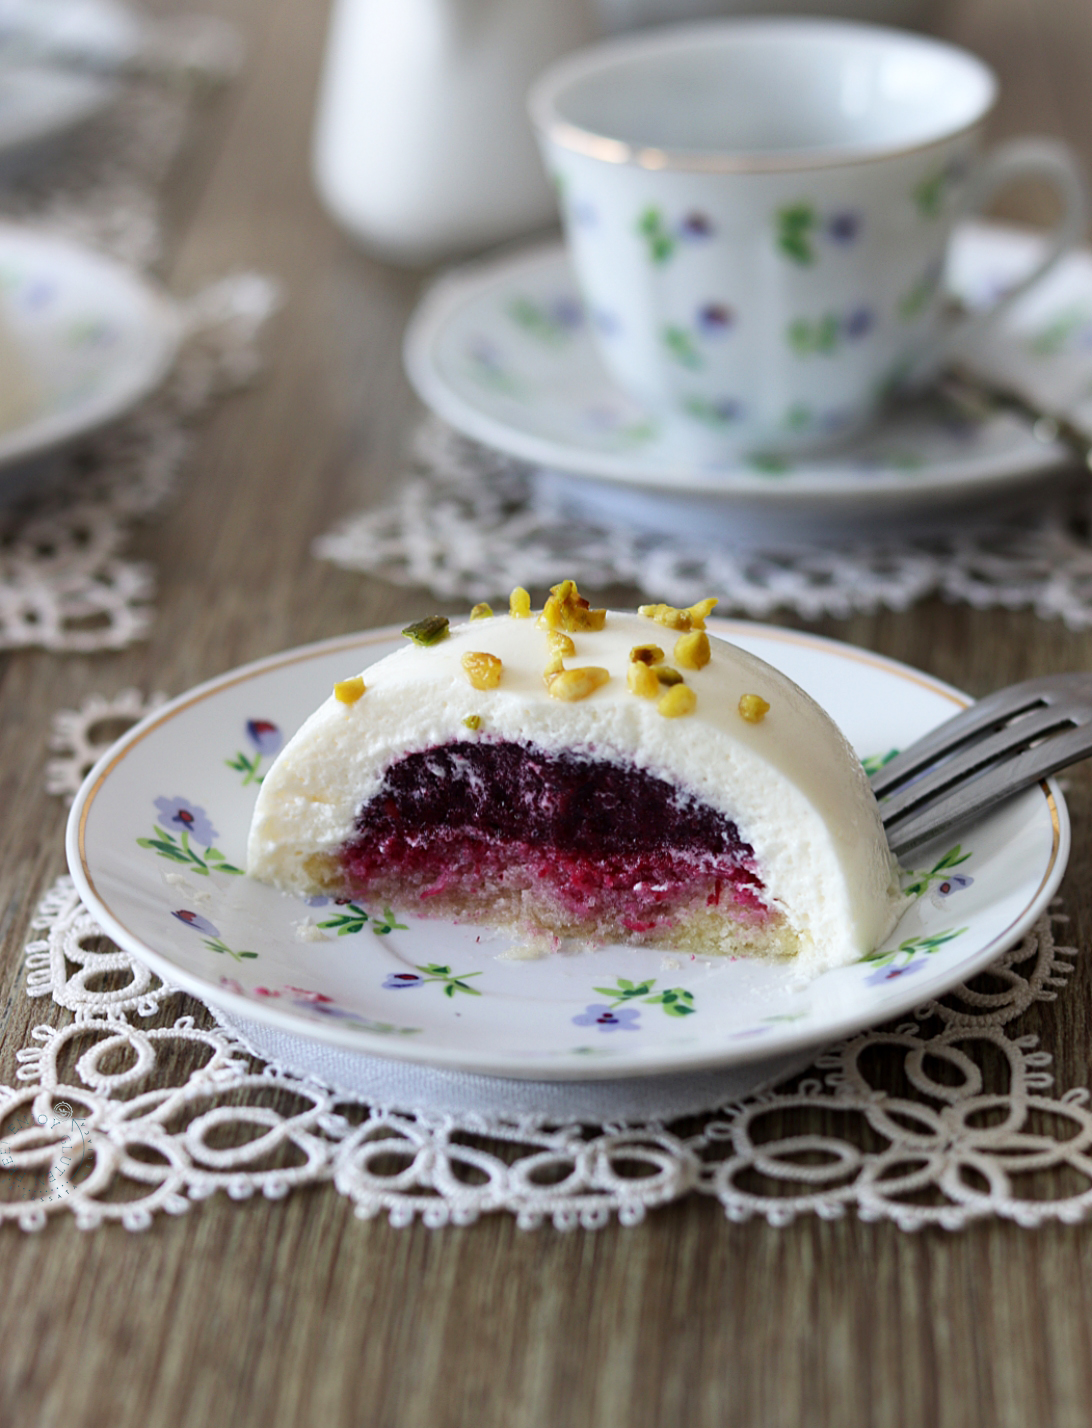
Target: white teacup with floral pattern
[(758, 213)]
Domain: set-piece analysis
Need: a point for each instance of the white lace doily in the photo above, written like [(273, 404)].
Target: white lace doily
[(64, 583), (465, 523), (138, 1099)]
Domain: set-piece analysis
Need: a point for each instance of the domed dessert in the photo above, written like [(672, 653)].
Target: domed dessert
[(605, 776)]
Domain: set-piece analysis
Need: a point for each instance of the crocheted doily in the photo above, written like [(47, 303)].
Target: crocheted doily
[(469, 524), (64, 584), (135, 1098)]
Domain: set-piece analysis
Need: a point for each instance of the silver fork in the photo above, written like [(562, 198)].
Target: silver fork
[(994, 748)]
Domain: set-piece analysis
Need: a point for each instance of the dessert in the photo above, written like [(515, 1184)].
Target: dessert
[(591, 774)]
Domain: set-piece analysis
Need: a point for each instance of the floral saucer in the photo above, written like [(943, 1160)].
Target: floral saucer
[(157, 842), (94, 337), (502, 351)]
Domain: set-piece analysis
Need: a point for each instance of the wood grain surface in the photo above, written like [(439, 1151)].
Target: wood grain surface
[(296, 1313)]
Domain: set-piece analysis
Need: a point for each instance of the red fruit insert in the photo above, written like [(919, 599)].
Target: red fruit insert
[(572, 842)]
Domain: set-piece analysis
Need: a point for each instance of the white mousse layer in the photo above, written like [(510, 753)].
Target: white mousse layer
[(791, 783)]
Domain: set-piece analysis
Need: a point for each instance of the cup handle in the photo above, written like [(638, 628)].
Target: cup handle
[(1019, 158)]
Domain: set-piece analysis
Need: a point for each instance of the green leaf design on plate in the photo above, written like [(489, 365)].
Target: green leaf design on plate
[(923, 880), (178, 850), (909, 949), (676, 1001)]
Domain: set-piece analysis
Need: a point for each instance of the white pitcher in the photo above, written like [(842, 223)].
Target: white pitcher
[(422, 146)]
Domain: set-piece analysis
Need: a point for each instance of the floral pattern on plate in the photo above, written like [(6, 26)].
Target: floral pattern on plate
[(265, 741), (354, 918), (213, 941), (192, 825)]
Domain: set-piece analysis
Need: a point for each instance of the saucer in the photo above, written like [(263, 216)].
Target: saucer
[(94, 338), (502, 351), (372, 983)]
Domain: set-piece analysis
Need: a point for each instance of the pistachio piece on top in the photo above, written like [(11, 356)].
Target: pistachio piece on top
[(429, 631)]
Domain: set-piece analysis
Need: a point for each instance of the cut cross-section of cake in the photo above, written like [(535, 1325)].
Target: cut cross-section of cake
[(586, 774)]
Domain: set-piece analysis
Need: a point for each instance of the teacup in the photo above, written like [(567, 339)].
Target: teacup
[(758, 213)]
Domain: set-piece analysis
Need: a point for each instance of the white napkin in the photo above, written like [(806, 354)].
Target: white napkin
[(404, 1086)]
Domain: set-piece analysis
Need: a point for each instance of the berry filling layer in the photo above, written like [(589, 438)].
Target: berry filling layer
[(555, 840)]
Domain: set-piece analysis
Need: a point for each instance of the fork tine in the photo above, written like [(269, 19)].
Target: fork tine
[(995, 710), (979, 753), (963, 803)]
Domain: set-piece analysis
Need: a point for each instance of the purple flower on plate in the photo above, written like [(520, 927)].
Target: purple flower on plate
[(606, 323), (182, 816), (715, 318), (567, 312), (602, 418), (486, 353), (697, 227), (324, 1008), (843, 227), (860, 323), (318, 900), (891, 974), (606, 1019), (265, 737), (399, 981), (197, 922), (956, 883), (38, 293)]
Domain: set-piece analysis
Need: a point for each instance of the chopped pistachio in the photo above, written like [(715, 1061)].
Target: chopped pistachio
[(753, 708), (429, 631), (566, 609), (554, 666), (642, 681), (473, 721), (483, 670), (573, 684), (646, 654), (692, 618), (519, 604), (561, 644), (348, 691), (679, 701), (692, 650), (666, 675), (481, 612), (666, 615)]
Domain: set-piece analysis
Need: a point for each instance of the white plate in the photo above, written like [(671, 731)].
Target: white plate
[(95, 336), (501, 350), (440, 994)]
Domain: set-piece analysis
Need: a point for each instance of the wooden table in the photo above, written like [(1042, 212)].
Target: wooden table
[(295, 1313)]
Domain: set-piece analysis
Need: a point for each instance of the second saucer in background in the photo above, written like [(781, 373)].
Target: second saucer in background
[(85, 339)]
